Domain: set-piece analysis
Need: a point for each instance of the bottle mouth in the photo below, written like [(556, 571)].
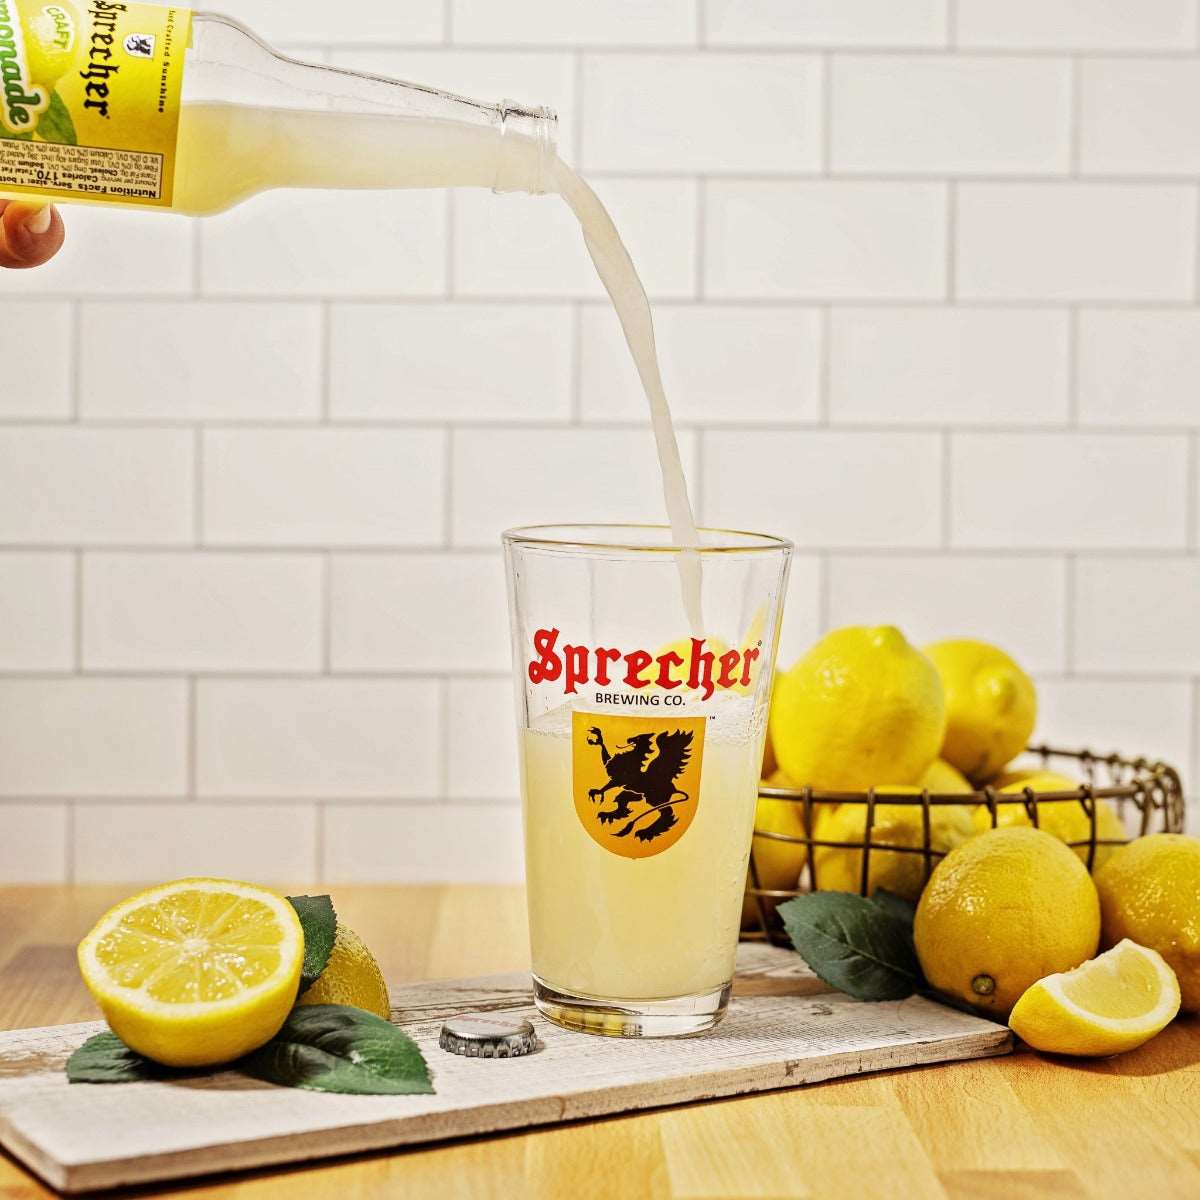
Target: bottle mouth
[(528, 148)]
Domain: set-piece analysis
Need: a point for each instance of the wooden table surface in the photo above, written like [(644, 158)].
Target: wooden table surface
[(994, 1129)]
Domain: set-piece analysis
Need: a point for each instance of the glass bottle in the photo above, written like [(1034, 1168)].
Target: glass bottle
[(135, 104)]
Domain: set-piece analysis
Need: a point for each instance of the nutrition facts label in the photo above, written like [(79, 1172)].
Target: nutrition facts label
[(89, 170)]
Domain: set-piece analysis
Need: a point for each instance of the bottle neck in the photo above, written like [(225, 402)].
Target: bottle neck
[(528, 148), (228, 64)]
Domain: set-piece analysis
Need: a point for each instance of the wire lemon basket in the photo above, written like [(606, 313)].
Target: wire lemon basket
[(1147, 795)]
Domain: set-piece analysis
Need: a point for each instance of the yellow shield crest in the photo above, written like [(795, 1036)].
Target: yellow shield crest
[(636, 780)]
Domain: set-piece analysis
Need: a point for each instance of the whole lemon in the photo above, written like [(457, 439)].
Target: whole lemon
[(777, 863), (861, 707), (50, 35), (1002, 911), (1150, 893), (351, 976), (944, 780), (991, 706), (839, 869), (1066, 820)]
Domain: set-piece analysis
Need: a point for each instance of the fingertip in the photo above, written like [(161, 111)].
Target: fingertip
[(32, 234)]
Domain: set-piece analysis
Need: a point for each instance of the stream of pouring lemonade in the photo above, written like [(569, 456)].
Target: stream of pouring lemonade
[(628, 296), (261, 148)]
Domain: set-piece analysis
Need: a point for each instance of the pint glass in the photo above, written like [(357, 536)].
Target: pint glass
[(643, 675)]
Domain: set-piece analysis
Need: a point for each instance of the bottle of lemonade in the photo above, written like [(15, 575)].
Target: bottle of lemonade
[(133, 104)]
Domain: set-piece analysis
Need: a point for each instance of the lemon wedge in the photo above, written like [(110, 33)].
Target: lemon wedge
[(195, 972), (1115, 1002)]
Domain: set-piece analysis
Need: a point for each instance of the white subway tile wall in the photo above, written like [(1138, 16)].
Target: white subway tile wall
[(925, 275), (238, 384), (941, 115), (725, 114)]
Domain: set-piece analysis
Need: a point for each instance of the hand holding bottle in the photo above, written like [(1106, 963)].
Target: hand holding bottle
[(30, 234)]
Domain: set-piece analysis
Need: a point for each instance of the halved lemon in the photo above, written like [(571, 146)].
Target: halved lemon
[(195, 972), (1112, 1003)]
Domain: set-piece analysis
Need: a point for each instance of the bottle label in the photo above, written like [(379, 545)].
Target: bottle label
[(91, 97)]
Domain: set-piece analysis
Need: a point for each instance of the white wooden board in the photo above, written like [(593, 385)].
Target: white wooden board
[(784, 1028)]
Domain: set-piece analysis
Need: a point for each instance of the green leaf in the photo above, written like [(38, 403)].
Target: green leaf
[(319, 922), (106, 1059), (15, 137), (334, 1048), (900, 908), (853, 944), (56, 124)]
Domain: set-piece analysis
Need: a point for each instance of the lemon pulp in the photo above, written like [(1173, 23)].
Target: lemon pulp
[(195, 972)]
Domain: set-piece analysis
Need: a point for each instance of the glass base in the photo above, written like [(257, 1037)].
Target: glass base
[(680, 1017)]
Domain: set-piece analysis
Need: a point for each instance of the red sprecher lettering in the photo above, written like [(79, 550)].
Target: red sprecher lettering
[(702, 670)]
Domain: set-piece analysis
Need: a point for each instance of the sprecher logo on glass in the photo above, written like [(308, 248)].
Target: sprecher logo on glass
[(636, 780), (91, 99)]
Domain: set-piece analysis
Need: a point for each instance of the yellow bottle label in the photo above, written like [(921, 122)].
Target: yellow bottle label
[(91, 95)]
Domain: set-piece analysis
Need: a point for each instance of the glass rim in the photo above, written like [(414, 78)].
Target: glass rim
[(602, 536)]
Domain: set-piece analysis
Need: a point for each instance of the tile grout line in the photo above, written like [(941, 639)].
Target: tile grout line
[(1121, 550), (327, 613), (75, 363), (701, 261), (77, 614), (1070, 587), (935, 49), (826, 163), (198, 486), (451, 246), (447, 488), (443, 780), (1192, 487), (193, 721), (1073, 368), (196, 263), (947, 523), (1075, 118), (577, 87), (544, 424), (325, 350), (1196, 255), (951, 263), (825, 366), (674, 299)]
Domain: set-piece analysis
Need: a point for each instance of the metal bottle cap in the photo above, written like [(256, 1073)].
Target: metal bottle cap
[(488, 1035)]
